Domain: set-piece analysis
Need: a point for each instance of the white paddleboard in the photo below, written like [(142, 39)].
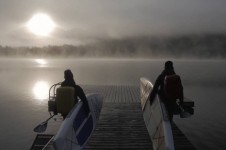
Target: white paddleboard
[(77, 128), (156, 118)]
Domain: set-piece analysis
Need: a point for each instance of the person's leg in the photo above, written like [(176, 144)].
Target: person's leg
[(170, 111)]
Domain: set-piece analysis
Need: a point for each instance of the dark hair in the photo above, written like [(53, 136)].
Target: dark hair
[(68, 75), (168, 65)]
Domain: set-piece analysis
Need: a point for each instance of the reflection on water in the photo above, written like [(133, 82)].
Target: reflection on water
[(41, 62), (40, 90)]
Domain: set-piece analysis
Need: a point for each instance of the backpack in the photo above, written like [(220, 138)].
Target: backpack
[(173, 88)]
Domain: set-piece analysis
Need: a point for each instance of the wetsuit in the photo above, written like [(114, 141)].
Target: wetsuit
[(79, 93), (159, 88)]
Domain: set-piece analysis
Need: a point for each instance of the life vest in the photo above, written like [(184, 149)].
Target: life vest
[(173, 88)]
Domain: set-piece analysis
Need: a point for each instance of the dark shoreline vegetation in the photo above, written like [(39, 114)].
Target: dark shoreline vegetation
[(186, 46)]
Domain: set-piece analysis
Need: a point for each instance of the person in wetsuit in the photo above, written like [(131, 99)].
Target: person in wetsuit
[(79, 93), (159, 89)]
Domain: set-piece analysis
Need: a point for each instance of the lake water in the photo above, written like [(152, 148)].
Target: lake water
[(24, 85)]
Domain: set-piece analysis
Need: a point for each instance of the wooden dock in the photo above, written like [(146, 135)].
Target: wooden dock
[(121, 124)]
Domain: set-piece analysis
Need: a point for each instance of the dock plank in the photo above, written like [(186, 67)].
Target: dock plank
[(121, 124)]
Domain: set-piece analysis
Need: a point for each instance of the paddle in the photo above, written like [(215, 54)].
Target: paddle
[(183, 113), (42, 127)]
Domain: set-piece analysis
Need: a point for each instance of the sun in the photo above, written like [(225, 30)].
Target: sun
[(41, 24)]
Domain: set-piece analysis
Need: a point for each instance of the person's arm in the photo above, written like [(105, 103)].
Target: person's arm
[(182, 96), (155, 89), (82, 96)]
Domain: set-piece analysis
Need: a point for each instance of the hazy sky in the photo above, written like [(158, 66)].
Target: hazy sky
[(79, 21)]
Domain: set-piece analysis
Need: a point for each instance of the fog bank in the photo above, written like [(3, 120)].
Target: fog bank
[(183, 46)]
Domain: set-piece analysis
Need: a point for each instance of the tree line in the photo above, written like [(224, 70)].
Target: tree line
[(186, 46)]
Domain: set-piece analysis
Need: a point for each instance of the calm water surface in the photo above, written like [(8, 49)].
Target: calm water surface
[(24, 85)]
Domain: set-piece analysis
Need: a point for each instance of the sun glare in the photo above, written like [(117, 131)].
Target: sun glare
[(40, 61), (40, 90), (41, 25)]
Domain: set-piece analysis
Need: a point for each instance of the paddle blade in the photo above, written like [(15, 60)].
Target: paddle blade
[(41, 127)]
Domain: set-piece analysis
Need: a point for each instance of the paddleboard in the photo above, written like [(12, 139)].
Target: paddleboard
[(77, 127), (156, 118)]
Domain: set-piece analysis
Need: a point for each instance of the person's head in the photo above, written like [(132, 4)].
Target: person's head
[(68, 75), (168, 65)]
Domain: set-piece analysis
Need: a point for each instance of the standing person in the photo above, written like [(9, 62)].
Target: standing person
[(69, 81), (169, 87)]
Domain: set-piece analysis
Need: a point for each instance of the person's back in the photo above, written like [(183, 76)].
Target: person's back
[(69, 81), (173, 88), (159, 83), (164, 87)]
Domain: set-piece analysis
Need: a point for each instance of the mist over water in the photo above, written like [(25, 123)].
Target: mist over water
[(23, 105), (174, 46)]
